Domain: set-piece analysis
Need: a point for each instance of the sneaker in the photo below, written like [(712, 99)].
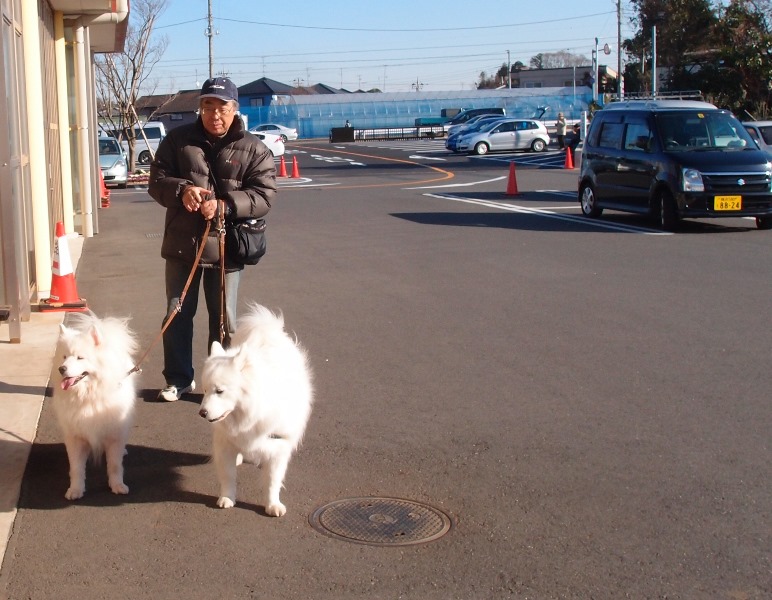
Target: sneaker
[(171, 392)]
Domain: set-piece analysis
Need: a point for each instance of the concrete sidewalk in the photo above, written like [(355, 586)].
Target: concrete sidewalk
[(25, 369)]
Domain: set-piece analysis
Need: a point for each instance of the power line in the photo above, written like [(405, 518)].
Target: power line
[(381, 30)]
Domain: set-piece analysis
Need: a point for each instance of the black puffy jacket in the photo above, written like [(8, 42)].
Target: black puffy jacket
[(241, 165)]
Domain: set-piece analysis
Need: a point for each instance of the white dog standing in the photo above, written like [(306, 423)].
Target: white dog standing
[(94, 402), (258, 395)]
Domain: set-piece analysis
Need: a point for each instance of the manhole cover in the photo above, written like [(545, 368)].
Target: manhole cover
[(380, 521)]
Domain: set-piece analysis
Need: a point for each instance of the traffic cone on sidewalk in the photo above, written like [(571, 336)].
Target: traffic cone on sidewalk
[(569, 158), (104, 193), (295, 171), (64, 292), (282, 167), (512, 183)]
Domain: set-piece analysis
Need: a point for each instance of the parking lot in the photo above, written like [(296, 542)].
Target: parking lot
[(586, 400)]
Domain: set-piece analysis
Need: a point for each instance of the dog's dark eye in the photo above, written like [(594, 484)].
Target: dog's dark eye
[(219, 391)]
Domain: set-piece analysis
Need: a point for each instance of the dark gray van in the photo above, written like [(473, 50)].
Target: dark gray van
[(673, 159)]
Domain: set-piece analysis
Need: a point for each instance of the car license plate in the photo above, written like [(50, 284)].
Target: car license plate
[(727, 203)]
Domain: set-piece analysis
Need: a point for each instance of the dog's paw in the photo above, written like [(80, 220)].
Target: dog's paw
[(119, 488), (225, 502), (74, 493), (276, 510)]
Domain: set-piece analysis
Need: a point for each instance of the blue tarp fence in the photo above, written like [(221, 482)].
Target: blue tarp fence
[(314, 116)]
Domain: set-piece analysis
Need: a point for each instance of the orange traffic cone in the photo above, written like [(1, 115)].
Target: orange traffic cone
[(282, 167), (104, 193), (512, 184), (295, 171), (64, 292), (569, 158)]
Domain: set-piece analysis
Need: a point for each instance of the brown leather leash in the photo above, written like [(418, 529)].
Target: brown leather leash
[(178, 308), (225, 334)]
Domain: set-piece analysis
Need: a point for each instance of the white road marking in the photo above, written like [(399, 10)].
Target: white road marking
[(455, 185), (550, 215)]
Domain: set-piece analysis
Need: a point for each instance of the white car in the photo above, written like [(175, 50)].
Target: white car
[(274, 142), (509, 134), (761, 132), (286, 133)]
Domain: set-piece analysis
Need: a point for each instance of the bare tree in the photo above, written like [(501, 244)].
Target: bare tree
[(121, 75), (558, 60)]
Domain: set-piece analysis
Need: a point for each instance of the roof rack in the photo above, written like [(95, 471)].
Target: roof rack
[(678, 95)]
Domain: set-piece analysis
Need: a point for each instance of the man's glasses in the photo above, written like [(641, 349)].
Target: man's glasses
[(222, 112)]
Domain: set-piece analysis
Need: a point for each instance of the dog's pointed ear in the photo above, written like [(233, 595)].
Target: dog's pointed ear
[(242, 358), (96, 335), (216, 349)]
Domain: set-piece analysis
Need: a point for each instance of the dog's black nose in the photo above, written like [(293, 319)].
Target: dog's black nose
[(203, 412), (62, 370)]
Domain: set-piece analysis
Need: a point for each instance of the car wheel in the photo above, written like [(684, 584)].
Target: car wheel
[(764, 222), (283, 138), (588, 201), (538, 146), (665, 207), (481, 148), (144, 157), (122, 185)]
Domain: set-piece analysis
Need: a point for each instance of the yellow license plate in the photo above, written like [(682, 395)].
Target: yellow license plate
[(727, 203)]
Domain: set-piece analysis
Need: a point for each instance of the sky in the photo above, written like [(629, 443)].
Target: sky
[(392, 45)]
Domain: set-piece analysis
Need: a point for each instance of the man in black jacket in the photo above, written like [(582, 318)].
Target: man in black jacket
[(213, 159)]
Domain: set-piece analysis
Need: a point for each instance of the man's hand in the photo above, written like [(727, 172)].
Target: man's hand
[(193, 197), (209, 208)]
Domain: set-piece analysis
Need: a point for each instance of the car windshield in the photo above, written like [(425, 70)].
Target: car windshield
[(478, 125), (488, 125), (109, 146), (687, 131), (766, 134)]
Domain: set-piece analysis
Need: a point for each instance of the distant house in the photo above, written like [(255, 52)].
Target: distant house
[(264, 92), (178, 109), (147, 105), (564, 77)]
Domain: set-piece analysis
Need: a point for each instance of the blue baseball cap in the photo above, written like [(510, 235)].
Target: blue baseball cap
[(221, 88)]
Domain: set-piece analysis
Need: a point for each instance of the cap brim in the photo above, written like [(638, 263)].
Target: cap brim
[(218, 96)]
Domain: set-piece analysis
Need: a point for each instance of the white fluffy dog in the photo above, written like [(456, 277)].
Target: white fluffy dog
[(94, 402), (258, 395)]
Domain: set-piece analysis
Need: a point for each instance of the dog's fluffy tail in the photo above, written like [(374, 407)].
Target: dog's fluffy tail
[(258, 324)]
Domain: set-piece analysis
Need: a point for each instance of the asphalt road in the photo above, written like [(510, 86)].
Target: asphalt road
[(588, 401)]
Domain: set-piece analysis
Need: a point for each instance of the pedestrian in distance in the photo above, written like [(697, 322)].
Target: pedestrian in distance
[(576, 137), (560, 130), (197, 164)]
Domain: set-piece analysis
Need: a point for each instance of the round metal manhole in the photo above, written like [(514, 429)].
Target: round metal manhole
[(380, 521)]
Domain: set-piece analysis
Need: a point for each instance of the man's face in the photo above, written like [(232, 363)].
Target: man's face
[(217, 115)]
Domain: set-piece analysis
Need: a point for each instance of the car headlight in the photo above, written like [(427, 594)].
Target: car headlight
[(691, 180)]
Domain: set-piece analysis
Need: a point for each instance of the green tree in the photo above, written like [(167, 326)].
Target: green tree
[(684, 29), (740, 73)]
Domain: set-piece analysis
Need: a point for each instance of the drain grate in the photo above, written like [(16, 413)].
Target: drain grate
[(380, 521)]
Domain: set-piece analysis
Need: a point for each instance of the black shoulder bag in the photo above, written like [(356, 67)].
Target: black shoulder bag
[(245, 242)]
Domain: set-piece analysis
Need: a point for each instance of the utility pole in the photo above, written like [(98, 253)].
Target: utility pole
[(620, 76), (509, 72), (654, 61), (210, 34)]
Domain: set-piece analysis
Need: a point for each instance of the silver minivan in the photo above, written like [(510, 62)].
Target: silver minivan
[(154, 131)]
